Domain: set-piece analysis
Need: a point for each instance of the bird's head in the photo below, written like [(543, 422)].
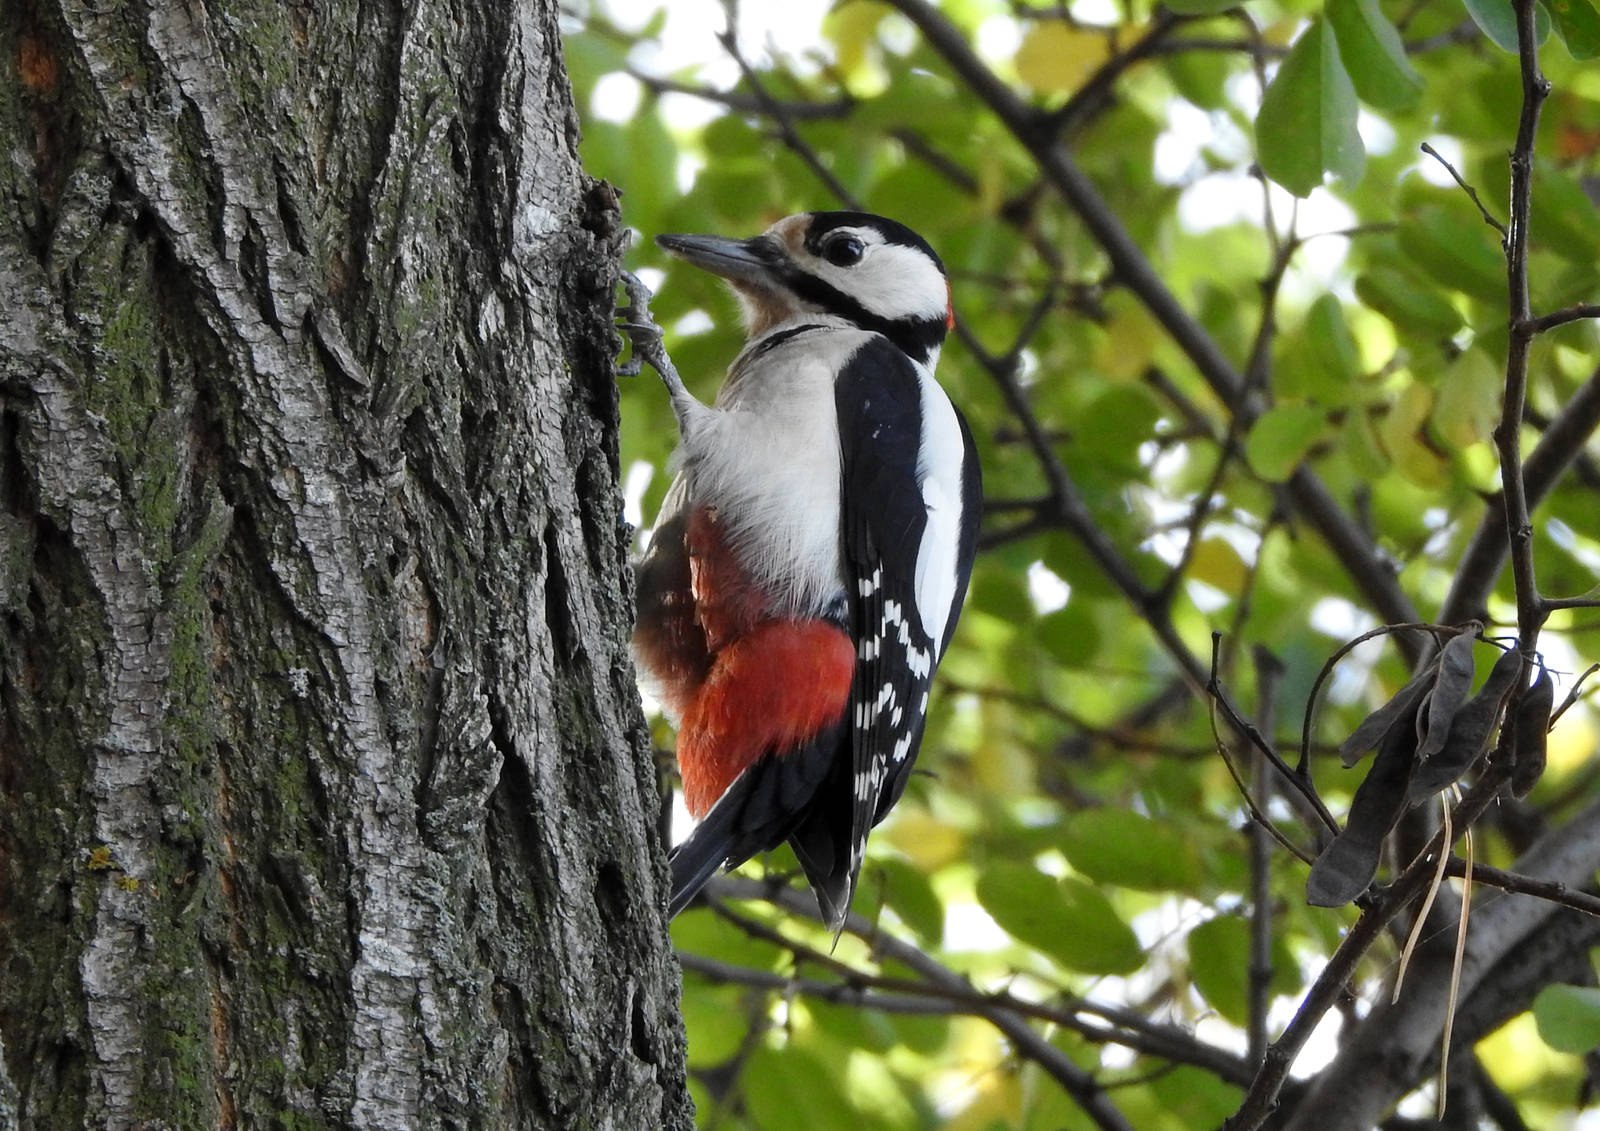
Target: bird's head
[(873, 272)]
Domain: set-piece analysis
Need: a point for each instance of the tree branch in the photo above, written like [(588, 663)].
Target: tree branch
[(1076, 1082), (1508, 434), (1396, 1045), (1561, 444)]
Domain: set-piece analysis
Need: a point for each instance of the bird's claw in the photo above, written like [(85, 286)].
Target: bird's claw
[(636, 323)]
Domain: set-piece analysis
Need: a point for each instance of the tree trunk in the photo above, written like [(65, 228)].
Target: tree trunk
[(325, 799)]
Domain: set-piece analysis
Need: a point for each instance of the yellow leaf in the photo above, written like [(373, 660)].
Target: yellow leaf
[(1219, 565), (1469, 400), (1128, 340), (1401, 433), (853, 27), (1055, 58), (926, 841)]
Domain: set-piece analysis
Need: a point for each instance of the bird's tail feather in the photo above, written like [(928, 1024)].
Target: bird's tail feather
[(699, 856), (759, 811)]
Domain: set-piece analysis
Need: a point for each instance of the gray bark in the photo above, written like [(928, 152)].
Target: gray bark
[(325, 799)]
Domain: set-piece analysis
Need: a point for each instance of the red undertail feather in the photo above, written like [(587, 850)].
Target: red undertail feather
[(771, 690), (740, 682)]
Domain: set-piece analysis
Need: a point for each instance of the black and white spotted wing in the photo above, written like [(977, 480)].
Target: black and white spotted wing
[(911, 499)]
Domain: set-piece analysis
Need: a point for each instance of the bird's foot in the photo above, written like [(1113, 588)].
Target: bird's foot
[(635, 321)]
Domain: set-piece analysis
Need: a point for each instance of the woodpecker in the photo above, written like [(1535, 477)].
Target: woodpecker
[(813, 551)]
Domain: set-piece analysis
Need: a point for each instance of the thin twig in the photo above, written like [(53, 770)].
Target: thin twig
[(1574, 694), (1092, 1021), (1344, 650), (746, 104), (1562, 317), (1551, 891), (1472, 193), (1269, 672), (1220, 702), (779, 114)]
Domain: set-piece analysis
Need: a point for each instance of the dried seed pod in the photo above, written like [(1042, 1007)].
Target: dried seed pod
[(1450, 691), (1532, 734), (1373, 729), (1470, 730), (1347, 865)]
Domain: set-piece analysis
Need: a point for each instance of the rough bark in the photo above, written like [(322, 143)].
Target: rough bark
[(324, 795)]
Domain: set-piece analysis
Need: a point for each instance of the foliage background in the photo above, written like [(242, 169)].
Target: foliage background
[(1204, 405)]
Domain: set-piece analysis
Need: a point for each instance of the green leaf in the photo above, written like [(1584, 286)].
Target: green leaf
[(906, 890), (1002, 593), (706, 1010), (1282, 437), (1332, 354), (1468, 403), (1408, 302), (1118, 846), (1195, 1096), (1565, 218), (1070, 921), (1307, 123), (1359, 444), (1579, 26), (1404, 433), (793, 1088), (1497, 21), (1201, 7), (1219, 963), (1456, 248), (1115, 424), (1568, 1017), (1374, 54), (1070, 635)]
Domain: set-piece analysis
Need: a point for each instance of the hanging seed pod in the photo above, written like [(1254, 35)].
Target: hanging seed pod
[(1376, 726), (1532, 735), (1470, 730), (1347, 865), (1450, 691)]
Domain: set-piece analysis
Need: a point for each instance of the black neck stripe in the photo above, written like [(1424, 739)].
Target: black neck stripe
[(916, 337), (773, 341)]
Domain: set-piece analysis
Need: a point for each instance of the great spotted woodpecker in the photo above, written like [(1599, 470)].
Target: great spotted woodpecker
[(811, 556)]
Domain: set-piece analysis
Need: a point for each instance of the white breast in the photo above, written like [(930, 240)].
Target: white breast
[(768, 459)]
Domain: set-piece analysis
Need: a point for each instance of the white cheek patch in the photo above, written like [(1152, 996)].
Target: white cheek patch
[(891, 281)]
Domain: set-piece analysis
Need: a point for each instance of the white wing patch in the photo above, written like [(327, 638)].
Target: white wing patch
[(939, 472)]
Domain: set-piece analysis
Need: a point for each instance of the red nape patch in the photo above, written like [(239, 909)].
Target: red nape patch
[(949, 306), (770, 690)]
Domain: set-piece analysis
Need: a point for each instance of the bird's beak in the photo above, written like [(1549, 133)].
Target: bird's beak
[(739, 261)]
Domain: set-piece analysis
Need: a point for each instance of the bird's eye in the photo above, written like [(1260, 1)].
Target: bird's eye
[(846, 251)]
